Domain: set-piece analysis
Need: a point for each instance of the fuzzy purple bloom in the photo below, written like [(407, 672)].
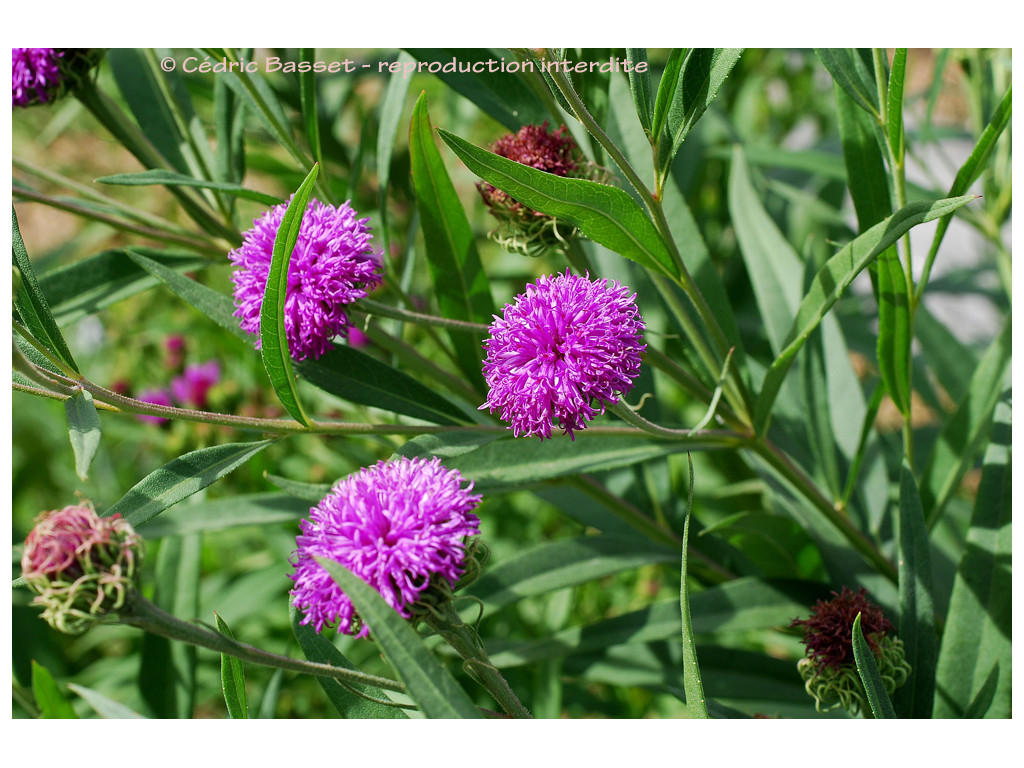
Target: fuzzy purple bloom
[(154, 397), (332, 265), (563, 344), (192, 386), (34, 75), (396, 525)]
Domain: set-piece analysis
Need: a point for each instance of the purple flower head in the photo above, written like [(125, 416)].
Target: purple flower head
[(35, 75), (192, 386), (564, 343), (396, 525), (153, 397), (332, 265)]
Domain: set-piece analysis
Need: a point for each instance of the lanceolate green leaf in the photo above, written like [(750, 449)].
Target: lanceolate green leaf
[(348, 703), (895, 102), (429, 684), (343, 371), (49, 698), (640, 87), (461, 286), (307, 93), (693, 86), (564, 563), (603, 213), (867, 668), (695, 703), (495, 463), (173, 179), (277, 357), (850, 72), (84, 430), (917, 617), (894, 329), (973, 678), (105, 707), (232, 678), (248, 509), (962, 435), (834, 278), (181, 478), (31, 303)]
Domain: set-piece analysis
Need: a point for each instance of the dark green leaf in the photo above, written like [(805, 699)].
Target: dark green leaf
[(834, 278), (49, 698), (696, 706), (895, 102), (343, 371), (307, 93), (605, 214), (89, 285), (232, 678), (564, 563), (229, 119), (894, 329), (429, 684), (84, 429), (870, 677), (348, 703), (312, 492), (640, 87), (105, 707), (251, 509), (392, 104), (31, 304), (180, 478), (277, 356), (460, 283), (172, 179), (963, 434), (973, 678), (505, 96), (917, 617), (670, 77), (850, 72)]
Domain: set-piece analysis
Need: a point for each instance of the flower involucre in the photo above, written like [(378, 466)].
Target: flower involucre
[(35, 75), (332, 265), (399, 526), (80, 565), (565, 343)]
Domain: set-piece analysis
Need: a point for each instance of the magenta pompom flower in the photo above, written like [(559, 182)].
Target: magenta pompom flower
[(565, 343), (399, 526), (192, 386), (35, 75), (332, 265)]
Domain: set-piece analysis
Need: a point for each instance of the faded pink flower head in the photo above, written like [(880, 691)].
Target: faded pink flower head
[(191, 388)]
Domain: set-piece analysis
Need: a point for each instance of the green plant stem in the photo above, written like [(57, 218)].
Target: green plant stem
[(142, 614), (25, 334), (806, 487), (371, 307), (445, 620)]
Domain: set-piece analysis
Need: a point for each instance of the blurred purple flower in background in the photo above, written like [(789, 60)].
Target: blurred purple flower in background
[(396, 525), (332, 265), (190, 389), (154, 397), (564, 343)]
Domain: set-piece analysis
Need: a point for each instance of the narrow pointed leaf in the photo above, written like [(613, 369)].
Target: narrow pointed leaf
[(173, 179), (307, 93), (429, 684), (696, 705), (461, 286), (343, 371), (277, 357), (894, 329), (84, 430), (867, 668), (31, 304), (319, 649), (832, 281), (640, 87), (49, 698), (850, 74), (917, 616), (973, 677), (232, 678), (666, 90), (605, 214), (897, 76), (181, 478), (105, 707)]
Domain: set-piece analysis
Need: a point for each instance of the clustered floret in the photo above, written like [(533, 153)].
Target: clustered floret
[(35, 75)]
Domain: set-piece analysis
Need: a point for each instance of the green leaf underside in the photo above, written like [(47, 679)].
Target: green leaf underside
[(429, 684), (84, 430), (180, 478), (343, 371), (232, 678), (605, 214), (173, 179), (834, 278), (320, 650), (103, 706), (867, 668), (277, 357)]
